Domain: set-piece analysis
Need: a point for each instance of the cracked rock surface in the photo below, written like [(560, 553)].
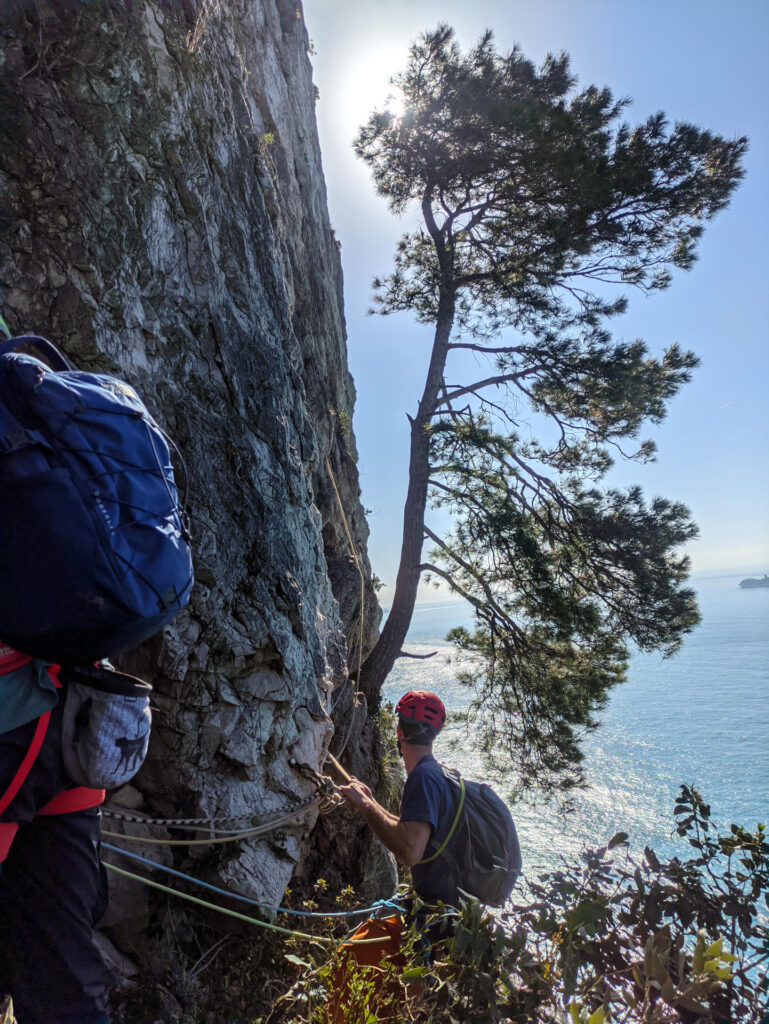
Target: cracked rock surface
[(163, 218)]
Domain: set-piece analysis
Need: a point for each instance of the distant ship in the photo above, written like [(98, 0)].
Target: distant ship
[(746, 584)]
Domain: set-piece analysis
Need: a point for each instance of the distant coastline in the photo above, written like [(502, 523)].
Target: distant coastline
[(751, 583)]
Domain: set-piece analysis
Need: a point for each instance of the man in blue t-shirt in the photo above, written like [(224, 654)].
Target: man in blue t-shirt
[(428, 805)]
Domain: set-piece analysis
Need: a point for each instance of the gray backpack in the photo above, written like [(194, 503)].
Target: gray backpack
[(482, 845), (106, 725)]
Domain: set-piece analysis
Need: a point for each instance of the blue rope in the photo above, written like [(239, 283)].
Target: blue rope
[(379, 905)]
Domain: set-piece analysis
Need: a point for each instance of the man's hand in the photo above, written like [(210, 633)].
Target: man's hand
[(357, 793), (406, 839)]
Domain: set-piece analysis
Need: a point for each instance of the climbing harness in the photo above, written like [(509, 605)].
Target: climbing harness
[(14, 658), (65, 802), (29, 759)]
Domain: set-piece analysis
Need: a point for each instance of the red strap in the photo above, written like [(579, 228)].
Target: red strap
[(10, 659), (8, 830), (71, 800), (29, 759), (67, 802)]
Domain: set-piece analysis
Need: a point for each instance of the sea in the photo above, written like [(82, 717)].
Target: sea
[(700, 717)]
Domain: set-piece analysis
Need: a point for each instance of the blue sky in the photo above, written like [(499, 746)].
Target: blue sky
[(699, 61)]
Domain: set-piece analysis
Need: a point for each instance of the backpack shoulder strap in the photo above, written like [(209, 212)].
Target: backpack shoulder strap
[(42, 346), (452, 830)]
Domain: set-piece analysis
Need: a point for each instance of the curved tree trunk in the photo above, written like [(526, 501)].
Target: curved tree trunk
[(387, 649)]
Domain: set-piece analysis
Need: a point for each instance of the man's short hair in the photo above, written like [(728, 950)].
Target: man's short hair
[(417, 733)]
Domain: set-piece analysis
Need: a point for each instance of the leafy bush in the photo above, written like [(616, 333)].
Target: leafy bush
[(610, 939)]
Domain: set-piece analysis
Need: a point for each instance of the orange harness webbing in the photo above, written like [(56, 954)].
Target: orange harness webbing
[(68, 801), (29, 759)]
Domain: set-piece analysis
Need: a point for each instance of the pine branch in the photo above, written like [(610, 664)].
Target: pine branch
[(482, 583), (504, 378), (506, 349)]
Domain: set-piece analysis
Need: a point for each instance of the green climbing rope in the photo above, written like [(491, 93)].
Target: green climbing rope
[(233, 913), (452, 830)]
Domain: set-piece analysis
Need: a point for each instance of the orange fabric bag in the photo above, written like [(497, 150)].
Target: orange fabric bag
[(388, 931)]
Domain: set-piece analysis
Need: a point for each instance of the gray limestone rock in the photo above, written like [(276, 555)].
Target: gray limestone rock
[(164, 219)]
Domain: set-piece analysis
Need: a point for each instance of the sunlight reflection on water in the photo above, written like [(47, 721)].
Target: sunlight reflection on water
[(701, 718)]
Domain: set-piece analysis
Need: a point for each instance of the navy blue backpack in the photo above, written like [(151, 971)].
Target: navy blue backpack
[(94, 550)]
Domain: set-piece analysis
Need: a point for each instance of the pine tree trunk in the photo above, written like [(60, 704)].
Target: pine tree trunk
[(380, 661)]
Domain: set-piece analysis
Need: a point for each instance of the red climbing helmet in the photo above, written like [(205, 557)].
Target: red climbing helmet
[(422, 706)]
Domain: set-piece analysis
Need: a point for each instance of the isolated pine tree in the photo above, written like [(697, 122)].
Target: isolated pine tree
[(539, 206)]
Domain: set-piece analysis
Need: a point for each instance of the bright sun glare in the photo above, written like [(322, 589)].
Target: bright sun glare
[(367, 85)]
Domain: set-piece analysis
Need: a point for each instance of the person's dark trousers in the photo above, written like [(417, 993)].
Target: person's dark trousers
[(433, 924), (53, 890)]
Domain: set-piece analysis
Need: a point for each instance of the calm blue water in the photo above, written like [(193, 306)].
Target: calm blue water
[(701, 718)]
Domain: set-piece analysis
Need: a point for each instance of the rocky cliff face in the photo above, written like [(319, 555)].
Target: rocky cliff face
[(164, 218)]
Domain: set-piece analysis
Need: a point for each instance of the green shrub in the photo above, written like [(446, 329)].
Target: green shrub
[(610, 939)]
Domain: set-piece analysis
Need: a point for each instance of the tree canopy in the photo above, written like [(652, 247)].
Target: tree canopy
[(540, 208)]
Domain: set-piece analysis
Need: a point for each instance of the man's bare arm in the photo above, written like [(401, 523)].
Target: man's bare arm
[(406, 839)]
